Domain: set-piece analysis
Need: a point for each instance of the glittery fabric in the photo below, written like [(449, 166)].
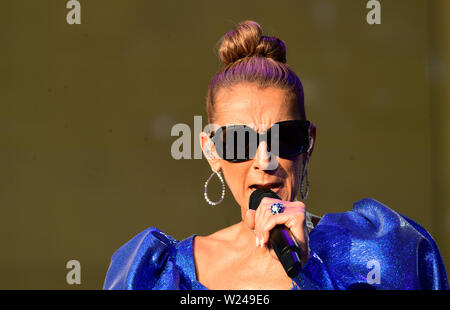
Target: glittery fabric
[(370, 247)]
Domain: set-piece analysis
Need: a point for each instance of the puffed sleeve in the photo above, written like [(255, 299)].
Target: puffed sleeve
[(138, 264), (372, 247)]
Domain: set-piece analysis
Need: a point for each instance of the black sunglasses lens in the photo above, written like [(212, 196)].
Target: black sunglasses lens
[(234, 143), (238, 143), (293, 138)]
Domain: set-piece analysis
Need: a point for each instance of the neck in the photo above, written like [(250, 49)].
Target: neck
[(244, 241), (262, 259)]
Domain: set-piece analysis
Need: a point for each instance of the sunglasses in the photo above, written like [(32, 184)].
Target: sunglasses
[(238, 143)]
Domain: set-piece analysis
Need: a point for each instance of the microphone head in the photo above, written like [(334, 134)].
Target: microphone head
[(258, 194)]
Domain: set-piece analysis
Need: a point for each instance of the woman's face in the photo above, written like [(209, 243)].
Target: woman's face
[(259, 109)]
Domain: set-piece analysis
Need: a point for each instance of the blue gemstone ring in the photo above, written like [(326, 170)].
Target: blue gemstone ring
[(276, 208)]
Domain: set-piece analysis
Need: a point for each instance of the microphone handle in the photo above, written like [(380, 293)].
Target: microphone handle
[(286, 249), (281, 240)]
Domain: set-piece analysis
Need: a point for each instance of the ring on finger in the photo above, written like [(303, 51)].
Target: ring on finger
[(277, 208)]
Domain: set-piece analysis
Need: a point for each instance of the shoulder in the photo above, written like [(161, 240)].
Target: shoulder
[(373, 245), (136, 262)]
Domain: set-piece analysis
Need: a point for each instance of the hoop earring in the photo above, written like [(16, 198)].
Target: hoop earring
[(304, 195), (214, 203)]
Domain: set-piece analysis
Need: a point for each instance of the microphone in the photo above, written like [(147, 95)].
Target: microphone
[(280, 238)]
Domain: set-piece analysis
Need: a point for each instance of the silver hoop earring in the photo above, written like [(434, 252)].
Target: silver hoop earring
[(304, 195), (214, 203)]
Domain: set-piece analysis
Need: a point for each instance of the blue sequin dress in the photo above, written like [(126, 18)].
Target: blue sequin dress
[(370, 247)]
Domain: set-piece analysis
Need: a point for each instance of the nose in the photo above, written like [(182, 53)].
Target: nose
[(264, 160)]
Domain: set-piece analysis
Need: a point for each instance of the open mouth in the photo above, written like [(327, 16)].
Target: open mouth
[(272, 186)]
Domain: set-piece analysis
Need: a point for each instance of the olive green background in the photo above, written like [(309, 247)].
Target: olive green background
[(86, 113)]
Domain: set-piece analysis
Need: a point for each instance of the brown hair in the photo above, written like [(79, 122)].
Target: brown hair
[(249, 56)]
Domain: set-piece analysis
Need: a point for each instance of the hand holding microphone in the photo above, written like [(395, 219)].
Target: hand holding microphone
[(283, 228)]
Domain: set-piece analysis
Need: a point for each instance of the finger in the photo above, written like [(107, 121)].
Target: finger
[(264, 214), (261, 217), (291, 218), (259, 214)]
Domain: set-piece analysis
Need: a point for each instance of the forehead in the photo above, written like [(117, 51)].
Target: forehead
[(248, 104)]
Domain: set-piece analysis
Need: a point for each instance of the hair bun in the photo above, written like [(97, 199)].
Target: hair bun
[(247, 40)]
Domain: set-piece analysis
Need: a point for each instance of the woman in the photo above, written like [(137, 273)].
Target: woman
[(370, 247)]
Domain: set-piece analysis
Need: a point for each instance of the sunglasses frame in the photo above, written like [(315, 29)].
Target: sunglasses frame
[(304, 126)]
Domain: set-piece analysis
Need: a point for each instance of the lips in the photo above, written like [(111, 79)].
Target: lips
[(272, 186)]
